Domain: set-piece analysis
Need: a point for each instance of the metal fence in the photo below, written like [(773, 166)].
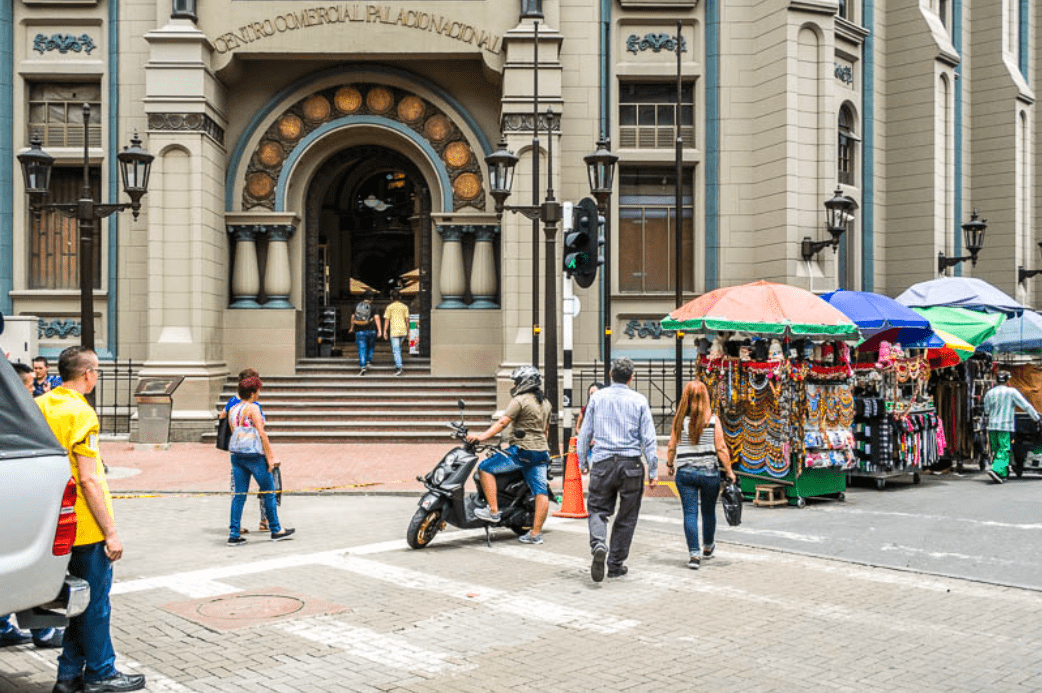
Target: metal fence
[(114, 396), (655, 379)]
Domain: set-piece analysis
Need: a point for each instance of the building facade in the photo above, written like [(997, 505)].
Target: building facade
[(302, 149)]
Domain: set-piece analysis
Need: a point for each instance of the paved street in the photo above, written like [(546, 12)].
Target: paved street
[(347, 607)]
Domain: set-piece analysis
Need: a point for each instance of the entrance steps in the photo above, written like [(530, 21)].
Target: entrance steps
[(327, 401)]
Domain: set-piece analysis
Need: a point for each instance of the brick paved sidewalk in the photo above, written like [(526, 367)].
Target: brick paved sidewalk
[(383, 468)]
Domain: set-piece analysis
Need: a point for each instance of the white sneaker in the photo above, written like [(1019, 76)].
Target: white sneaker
[(483, 513)]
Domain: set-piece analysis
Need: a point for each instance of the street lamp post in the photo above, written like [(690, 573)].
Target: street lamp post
[(135, 165), (973, 237), (839, 211), (600, 167)]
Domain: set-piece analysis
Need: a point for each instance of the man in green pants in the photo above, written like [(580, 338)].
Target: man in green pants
[(999, 406)]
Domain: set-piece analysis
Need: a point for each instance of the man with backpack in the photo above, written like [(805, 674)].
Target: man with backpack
[(365, 323)]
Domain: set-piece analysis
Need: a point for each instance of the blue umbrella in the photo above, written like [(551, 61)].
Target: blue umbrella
[(875, 314), (1017, 335), (960, 292)]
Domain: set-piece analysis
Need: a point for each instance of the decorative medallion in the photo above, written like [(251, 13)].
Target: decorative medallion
[(437, 128), (655, 42), (379, 100), (259, 185), (316, 109), (410, 109), (457, 154), (63, 43), (347, 99), (467, 186), (270, 153), (291, 127)]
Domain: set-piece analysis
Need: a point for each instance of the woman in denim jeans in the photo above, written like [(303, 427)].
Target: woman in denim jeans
[(697, 450)]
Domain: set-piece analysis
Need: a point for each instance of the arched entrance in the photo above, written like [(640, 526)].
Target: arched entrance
[(368, 225)]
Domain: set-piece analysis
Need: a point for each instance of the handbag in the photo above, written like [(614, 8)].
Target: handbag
[(276, 476), (224, 433), (731, 498), (245, 440)]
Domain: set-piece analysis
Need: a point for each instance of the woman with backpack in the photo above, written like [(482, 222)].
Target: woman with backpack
[(252, 456), (697, 451)]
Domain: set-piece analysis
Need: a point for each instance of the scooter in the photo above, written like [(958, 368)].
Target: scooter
[(445, 502)]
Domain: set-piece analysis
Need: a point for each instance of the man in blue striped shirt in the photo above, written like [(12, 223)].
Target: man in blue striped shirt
[(999, 406), (618, 422)]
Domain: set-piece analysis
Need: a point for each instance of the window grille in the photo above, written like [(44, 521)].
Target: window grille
[(647, 115), (56, 113)]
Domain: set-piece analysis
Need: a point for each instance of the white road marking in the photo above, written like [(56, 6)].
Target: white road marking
[(393, 651), (791, 536), (154, 682), (524, 605), (935, 518)]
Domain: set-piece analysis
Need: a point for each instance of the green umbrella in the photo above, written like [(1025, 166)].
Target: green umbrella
[(969, 325)]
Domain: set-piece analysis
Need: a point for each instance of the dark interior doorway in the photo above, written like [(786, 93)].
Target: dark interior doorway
[(368, 226)]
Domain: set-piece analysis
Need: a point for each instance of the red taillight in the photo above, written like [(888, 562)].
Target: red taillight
[(65, 535)]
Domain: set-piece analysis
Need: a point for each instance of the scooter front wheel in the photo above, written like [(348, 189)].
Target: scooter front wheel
[(423, 527)]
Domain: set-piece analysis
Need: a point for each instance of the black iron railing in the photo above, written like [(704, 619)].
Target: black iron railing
[(655, 379), (114, 396)]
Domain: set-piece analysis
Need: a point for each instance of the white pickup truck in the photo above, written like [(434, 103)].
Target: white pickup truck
[(38, 498)]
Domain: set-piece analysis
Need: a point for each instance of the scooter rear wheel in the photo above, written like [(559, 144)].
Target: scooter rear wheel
[(424, 525)]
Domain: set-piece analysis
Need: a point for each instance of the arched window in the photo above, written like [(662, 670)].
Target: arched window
[(847, 147)]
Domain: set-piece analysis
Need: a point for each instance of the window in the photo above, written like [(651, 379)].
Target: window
[(847, 148), (56, 113), (846, 10), (942, 12), (647, 223), (647, 115), (54, 242)]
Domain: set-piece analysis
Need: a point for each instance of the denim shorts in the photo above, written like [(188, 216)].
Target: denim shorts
[(532, 463)]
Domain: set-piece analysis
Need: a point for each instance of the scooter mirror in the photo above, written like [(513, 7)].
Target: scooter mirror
[(460, 403)]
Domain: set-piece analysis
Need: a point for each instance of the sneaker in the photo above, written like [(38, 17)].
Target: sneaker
[(49, 637), (995, 476), (399, 371), (117, 684), (362, 371), (483, 512), (529, 538), (236, 541), (597, 567), (694, 562), (284, 534), (707, 552), (618, 572), (14, 637)]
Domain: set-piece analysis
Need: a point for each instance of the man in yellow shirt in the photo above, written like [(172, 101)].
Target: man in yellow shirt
[(396, 327), (87, 661)]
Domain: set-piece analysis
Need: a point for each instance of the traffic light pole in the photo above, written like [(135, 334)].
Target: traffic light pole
[(567, 301)]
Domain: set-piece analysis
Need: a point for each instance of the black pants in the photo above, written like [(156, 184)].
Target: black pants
[(621, 477)]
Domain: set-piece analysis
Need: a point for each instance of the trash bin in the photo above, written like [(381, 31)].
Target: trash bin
[(155, 402)]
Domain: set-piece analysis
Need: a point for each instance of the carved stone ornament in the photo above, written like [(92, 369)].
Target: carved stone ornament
[(522, 122), (844, 73), (57, 328), (63, 43), (314, 110), (649, 329), (654, 42), (197, 122)]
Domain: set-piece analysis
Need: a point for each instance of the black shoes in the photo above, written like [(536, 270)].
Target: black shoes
[(14, 637), (116, 684), (236, 541), (694, 562), (707, 551), (70, 686), (618, 572), (284, 534), (597, 567), (49, 637)]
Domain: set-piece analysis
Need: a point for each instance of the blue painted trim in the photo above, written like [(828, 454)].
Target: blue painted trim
[(868, 159), (52, 353), (6, 156), (483, 304), (452, 303), (278, 303), (957, 127), (247, 303), (278, 101), (112, 317), (319, 132), (712, 173), (1022, 36)]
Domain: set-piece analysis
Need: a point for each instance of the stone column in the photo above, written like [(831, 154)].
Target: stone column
[(483, 279), (452, 277), (245, 275), (278, 280)]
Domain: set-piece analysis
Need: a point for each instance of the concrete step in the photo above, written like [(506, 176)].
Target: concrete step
[(282, 414), (357, 436)]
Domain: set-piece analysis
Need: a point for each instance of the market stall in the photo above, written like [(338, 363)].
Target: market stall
[(895, 426), (778, 374)]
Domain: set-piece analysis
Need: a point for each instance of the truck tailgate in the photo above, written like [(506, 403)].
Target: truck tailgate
[(31, 491)]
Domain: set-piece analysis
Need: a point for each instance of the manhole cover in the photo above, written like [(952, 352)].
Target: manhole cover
[(250, 607)]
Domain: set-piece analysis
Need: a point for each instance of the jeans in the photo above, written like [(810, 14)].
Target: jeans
[(366, 341), (999, 452), (38, 633), (532, 463), (243, 467), (621, 477), (696, 485), (396, 349), (87, 648)]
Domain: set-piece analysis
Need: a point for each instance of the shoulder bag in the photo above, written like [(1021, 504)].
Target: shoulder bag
[(224, 433), (245, 440)]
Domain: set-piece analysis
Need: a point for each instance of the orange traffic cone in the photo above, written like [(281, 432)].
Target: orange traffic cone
[(573, 504)]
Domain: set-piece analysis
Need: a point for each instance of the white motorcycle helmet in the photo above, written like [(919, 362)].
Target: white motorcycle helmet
[(526, 379)]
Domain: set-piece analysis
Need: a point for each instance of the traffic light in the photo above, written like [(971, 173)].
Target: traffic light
[(582, 243)]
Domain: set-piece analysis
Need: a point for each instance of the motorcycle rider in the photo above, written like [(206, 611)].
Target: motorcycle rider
[(529, 411)]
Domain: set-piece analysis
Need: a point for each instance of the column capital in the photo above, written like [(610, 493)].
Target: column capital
[(241, 233), (279, 232), (451, 233), (484, 233)]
